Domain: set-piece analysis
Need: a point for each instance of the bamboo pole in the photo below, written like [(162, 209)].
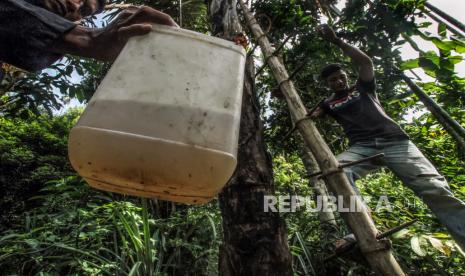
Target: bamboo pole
[(459, 25), (378, 256), (439, 20), (450, 125)]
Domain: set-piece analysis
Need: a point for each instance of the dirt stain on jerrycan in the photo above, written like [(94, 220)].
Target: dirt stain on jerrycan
[(164, 122)]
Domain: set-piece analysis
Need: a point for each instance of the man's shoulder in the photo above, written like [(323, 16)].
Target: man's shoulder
[(366, 86)]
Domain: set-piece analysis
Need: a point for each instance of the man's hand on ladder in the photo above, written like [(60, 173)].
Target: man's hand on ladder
[(327, 33)]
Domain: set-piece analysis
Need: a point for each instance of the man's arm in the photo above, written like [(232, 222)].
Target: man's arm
[(26, 33), (73, 10), (364, 62), (32, 38), (318, 112)]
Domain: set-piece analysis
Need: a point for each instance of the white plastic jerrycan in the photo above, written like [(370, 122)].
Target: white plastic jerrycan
[(164, 122)]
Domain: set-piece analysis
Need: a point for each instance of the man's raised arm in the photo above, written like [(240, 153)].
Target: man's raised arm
[(364, 62)]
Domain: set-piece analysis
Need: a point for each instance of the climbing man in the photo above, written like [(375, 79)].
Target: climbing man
[(36, 33), (371, 131)]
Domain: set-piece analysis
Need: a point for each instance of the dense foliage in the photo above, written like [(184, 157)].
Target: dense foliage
[(32, 152), (52, 222)]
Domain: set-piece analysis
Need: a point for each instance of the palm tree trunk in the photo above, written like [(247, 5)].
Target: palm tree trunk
[(328, 223), (255, 241)]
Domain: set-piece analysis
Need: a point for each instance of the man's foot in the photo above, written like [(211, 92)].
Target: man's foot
[(348, 249), (345, 243)]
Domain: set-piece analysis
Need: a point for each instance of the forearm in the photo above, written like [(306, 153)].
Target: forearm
[(27, 33), (358, 56), (364, 62), (71, 9), (77, 42)]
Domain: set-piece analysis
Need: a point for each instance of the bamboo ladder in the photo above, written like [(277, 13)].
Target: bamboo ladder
[(377, 253)]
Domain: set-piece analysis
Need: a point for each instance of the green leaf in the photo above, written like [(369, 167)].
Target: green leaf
[(410, 64), (455, 59), (425, 24), (431, 73), (32, 243), (462, 189), (79, 95), (460, 49), (135, 269), (7, 237), (443, 45), (442, 29), (69, 70), (212, 223), (438, 245), (430, 55), (440, 235), (415, 244), (402, 233), (447, 64), (427, 63)]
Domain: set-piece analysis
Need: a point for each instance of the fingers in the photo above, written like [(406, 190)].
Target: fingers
[(124, 33), (137, 15), (133, 21), (157, 17), (324, 28), (126, 13)]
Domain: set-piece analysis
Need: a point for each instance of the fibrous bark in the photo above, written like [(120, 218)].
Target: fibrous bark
[(255, 242)]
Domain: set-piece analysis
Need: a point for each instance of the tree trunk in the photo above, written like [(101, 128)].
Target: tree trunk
[(255, 242), (328, 223)]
